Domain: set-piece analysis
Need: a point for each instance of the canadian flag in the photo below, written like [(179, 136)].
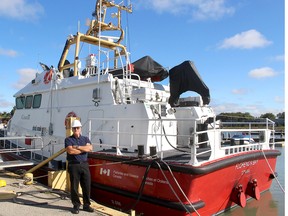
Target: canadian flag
[(104, 171)]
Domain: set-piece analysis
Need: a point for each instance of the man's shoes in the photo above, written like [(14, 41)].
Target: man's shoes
[(88, 209), (75, 210)]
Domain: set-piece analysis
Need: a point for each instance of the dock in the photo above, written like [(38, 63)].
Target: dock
[(17, 198)]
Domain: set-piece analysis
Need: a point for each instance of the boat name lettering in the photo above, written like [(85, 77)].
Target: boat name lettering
[(26, 117), (246, 164), (245, 171)]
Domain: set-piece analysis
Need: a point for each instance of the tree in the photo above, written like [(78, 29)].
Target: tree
[(268, 115), (281, 115), (237, 116)]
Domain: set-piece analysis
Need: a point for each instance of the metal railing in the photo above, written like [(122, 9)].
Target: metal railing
[(161, 137), (8, 144)]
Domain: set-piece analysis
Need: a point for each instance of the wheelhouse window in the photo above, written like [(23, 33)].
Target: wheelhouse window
[(37, 101), (28, 102), (20, 102)]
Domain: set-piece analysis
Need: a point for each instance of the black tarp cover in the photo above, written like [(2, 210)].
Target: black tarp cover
[(146, 68), (185, 77)]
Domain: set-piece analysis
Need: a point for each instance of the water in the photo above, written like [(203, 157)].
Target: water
[(272, 202)]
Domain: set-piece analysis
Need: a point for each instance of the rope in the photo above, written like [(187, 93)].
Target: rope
[(173, 189), (112, 163), (168, 167), (283, 190)]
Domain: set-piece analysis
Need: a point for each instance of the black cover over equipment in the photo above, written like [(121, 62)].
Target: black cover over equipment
[(146, 68), (185, 77)]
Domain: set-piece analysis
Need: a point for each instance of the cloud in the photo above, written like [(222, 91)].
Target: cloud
[(10, 53), (20, 9), (278, 58), (240, 91), (200, 9), (279, 99), (26, 75), (263, 72), (245, 40), (5, 104), (255, 110)]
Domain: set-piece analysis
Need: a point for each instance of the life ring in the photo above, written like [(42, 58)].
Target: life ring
[(70, 114), (48, 76)]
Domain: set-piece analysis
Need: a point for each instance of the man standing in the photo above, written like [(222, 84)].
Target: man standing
[(77, 147)]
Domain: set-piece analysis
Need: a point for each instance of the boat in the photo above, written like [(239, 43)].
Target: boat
[(155, 151)]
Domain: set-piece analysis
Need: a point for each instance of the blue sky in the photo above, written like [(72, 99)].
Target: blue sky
[(237, 46)]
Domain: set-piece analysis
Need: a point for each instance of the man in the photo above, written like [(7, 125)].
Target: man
[(77, 147)]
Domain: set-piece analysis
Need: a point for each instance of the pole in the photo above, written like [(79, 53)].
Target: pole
[(47, 160)]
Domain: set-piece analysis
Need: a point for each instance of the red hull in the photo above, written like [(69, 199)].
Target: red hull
[(211, 190)]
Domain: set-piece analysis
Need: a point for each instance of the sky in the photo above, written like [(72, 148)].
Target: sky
[(237, 46)]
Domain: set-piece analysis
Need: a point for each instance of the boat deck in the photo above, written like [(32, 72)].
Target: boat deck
[(181, 155)]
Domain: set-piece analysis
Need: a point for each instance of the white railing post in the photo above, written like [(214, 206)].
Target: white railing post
[(118, 138)]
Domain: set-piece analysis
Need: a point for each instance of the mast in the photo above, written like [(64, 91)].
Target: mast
[(93, 35)]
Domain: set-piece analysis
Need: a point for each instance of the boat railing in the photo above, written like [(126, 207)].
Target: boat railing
[(214, 144), (11, 144)]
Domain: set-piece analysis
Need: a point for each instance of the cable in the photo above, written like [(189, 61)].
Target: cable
[(273, 171), (152, 107), (62, 195), (173, 189), (175, 180), (141, 188)]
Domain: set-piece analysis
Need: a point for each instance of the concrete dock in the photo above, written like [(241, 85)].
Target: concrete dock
[(17, 198)]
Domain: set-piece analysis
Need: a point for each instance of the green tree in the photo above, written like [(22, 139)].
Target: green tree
[(281, 115), (268, 115), (235, 116)]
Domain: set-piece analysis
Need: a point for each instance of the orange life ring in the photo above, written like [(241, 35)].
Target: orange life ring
[(48, 76)]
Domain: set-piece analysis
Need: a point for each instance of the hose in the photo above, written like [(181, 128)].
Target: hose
[(61, 195)]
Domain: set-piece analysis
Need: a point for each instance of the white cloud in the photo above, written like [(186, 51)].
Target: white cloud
[(212, 9), (240, 91), (10, 53), (279, 99), (263, 72), (245, 40), (5, 104), (20, 9), (278, 58), (255, 110), (200, 9), (26, 75)]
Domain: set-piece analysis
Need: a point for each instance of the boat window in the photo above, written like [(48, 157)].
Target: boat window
[(28, 102), (20, 102), (37, 101)]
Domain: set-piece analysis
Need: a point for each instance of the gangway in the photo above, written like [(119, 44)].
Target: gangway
[(15, 163)]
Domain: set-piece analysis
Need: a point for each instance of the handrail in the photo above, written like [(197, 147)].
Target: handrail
[(159, 136), (19, 150)]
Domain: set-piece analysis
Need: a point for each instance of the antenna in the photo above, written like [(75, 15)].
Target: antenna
[(78, 26)]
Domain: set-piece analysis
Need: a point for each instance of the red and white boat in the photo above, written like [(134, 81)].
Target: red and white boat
[(154, 152)]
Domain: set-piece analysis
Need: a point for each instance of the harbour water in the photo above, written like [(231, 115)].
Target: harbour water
[(272, 202)]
